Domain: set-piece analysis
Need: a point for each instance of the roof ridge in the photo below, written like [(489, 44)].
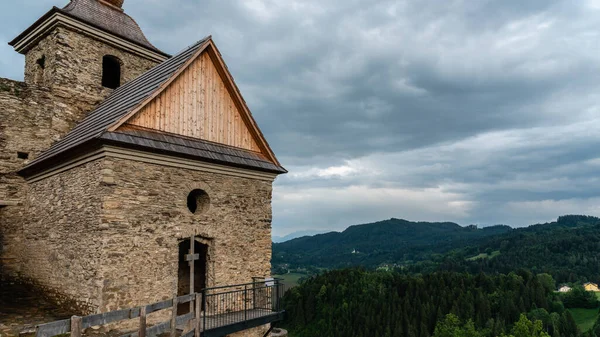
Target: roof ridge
[(195, 44)]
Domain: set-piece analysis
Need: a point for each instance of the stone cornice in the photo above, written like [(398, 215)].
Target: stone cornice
[(23, 43), (152, 158)]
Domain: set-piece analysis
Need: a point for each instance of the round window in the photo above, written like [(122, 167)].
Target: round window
[(198, 201)]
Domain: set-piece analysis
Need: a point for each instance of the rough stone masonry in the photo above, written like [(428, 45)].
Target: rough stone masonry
[(104, 234), (36, 113)]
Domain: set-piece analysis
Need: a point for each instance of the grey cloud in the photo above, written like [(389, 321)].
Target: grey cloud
[(402, 100)]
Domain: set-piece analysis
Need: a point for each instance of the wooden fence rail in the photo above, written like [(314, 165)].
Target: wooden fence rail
[(76, 324), (213, 312)]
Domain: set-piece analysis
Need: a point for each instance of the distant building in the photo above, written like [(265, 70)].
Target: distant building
[(564, 289), (591, 287)]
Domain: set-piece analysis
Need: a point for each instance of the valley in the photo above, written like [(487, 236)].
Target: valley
[(463, 271)]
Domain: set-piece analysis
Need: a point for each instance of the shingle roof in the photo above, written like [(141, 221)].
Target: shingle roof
[(108, 18), (102, 16), (94, 128)]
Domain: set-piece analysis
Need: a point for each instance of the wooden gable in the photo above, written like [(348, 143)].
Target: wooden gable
[(201, 101)]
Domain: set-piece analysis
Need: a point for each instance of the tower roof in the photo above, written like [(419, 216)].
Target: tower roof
[(108, 16), (105, 15)]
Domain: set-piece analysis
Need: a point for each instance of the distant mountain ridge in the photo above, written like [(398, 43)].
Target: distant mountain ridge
[(295, 235), (568, 248), (388, 241)]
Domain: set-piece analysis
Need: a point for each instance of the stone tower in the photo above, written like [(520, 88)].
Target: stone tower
[(85, 49), (74, 57)]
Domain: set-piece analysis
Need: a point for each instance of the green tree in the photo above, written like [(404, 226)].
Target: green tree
[(578, 297), (526, 328), (547, 281), (568, 327), (540, 315), (355, 302), (450, 326)]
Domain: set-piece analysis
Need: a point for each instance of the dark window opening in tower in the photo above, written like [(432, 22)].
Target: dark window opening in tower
[(111, 72), (41, 62), (38, 74)]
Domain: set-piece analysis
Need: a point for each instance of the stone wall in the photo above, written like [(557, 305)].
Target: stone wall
[(145, 216), (73, 71), (38, 112), (26, 128), (60, 244), (106, 234)]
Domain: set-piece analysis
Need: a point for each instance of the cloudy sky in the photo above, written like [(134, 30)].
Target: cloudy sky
[(473, 111)]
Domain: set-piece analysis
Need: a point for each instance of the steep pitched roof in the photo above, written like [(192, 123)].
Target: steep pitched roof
[(101, 15), (102, 124)]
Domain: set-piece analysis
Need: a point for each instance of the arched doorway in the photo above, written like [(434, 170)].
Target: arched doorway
[(199, 257)]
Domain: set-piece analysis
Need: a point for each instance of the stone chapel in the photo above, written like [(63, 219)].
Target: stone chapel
[(113, 154)]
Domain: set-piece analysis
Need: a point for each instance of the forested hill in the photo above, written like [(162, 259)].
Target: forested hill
[(568, 249), (356, 303), (390, 241)]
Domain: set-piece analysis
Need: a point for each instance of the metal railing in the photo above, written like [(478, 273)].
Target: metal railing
[(240, 303), (215, 312)]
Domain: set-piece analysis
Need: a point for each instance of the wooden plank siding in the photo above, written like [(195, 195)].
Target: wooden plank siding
[(198, 104)]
